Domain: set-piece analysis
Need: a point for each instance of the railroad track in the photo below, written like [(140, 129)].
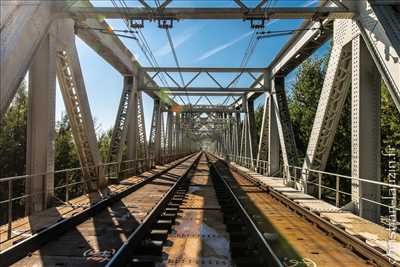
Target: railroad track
[(297, 236), (200, 224), (92, 237), (197, 212)]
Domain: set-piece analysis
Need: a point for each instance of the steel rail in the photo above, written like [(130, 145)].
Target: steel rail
[(350, 241), (16, 252), (249, 221), (125, 253)]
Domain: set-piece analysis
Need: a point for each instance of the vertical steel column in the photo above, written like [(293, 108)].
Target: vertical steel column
[(119, 134), (262, 151), (365, 131), (132, 139), (155, 132), (285, 130), (170, 122), (178, 133), (40, 128), (237, 133), (252, 128), (273, 135)]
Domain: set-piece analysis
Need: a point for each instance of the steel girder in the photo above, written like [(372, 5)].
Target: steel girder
[(334, 91), (379, 25), (286, 135), (121, 125), (77, 105), (111, 49), (40, 125), (365, 135), (155, 140), (137, 141), (22, 29), (262, 152), (212, 13)]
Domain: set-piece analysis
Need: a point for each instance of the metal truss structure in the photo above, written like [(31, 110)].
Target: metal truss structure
[(41, 38)]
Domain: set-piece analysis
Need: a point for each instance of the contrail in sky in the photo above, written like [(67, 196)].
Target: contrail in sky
[(223, 47)]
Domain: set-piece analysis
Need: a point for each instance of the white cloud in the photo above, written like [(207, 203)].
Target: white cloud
[(220, 48), (178, 41)]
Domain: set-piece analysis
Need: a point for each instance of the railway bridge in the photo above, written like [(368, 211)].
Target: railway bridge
[(203, 187)]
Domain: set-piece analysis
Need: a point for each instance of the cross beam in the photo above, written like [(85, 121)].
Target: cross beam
[(204, 90), (212, 13), (205, 69)]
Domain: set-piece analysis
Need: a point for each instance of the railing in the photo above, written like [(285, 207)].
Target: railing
[(330, 187), (335, 188), (70, 184), (260, 166)]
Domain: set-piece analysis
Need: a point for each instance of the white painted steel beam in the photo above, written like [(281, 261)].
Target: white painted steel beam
[(380, 28), (365, 156), (22, 29), (118, 138), (211, 13), (73, 89), (111, 48), (203, 69), (273, 134), (204, 90), (40, 125), (333, 94)]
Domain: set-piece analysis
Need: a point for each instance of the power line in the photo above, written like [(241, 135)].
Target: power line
[(157, 2), (142, 43)]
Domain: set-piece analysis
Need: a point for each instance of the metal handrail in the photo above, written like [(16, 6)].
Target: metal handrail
[(299, 175), (9, 180)]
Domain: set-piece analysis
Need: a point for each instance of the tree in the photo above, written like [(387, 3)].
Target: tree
[(13, 150), (390, 129), (104, 144), (13, 136)]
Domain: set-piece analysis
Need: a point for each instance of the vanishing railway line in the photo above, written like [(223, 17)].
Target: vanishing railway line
[(196, 212), (93, 235)]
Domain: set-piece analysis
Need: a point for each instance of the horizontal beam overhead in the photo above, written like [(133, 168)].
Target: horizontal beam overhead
[(298, 48), (212, 13), (204, 90), (200, 69), (111, 48), (206, 108), (181, 93)]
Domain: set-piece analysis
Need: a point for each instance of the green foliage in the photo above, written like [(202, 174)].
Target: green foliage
[(390, 128), (66, 155), (13, 136), (303, 101), (13, 150), (104, 144)]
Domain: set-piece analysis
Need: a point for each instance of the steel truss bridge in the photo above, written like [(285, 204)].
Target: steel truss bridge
[(39, 37)]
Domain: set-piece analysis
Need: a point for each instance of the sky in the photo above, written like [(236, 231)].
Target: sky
[(202, 43)]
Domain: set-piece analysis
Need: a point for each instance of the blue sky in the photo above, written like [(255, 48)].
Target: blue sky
[(198, 43)]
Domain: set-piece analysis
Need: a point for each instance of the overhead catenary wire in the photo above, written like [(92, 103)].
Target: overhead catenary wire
[(157, 2), (141, 40)]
